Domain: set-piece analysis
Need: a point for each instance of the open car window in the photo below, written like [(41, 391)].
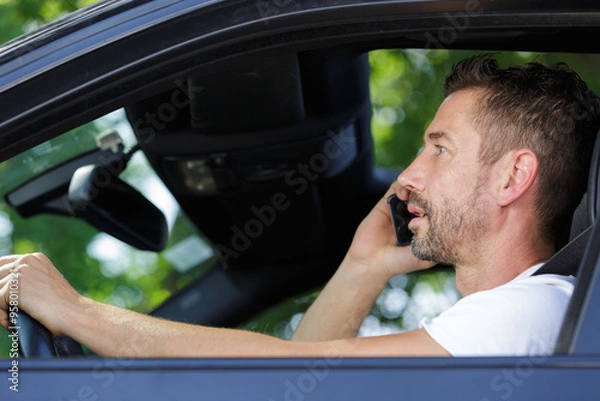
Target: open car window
[(405, 90)]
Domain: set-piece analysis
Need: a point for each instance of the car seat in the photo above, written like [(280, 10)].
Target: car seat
[(579, 258)]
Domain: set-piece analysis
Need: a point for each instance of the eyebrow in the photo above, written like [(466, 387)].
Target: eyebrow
[(432, 136), (437, 135)]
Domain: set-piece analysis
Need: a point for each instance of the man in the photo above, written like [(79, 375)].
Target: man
[(504, 164)]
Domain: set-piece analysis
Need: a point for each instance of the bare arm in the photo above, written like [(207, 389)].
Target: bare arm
[(342, 306), (128, 334), (117, 332), (373, 258)]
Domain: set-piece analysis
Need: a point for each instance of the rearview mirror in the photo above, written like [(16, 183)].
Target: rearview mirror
[(87, 187), (113, 206)]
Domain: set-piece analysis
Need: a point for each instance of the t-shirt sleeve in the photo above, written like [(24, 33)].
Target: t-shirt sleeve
[(522, 318)]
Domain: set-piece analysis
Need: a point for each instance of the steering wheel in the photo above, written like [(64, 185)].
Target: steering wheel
[(35, 340)]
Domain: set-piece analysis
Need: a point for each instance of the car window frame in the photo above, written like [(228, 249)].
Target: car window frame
[(335, 25)]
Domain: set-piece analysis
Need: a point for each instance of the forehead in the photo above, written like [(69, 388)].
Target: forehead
[(454, 118)]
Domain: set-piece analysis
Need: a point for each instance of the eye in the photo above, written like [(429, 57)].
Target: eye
[(440, 149)]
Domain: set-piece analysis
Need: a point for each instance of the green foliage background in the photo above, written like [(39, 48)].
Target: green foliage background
[(406, 91), (18, 17)]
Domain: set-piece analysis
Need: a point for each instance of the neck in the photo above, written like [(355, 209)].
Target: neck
[(502, 263)]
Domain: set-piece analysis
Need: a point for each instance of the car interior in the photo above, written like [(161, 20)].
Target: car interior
[(272, 159), (278, 189), (303, 141)]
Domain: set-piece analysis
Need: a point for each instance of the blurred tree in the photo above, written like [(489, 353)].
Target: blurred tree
[(18, 17)]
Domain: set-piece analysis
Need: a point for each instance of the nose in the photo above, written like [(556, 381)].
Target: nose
[(412, 179)]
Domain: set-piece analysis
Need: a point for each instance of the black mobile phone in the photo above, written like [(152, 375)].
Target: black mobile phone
[(400, 219)]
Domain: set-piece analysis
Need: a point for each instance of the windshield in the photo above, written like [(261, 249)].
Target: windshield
[(108, 269)]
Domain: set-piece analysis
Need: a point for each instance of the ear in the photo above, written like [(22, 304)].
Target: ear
[(518, 173)]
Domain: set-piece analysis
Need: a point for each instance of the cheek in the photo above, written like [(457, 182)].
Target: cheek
[(449, 184)]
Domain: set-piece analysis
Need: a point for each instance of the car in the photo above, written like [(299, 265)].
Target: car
[(253, 120)]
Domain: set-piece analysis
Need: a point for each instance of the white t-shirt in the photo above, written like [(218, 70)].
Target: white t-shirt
[(521, 317)]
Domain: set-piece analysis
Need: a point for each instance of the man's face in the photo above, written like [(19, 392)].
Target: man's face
[(448, 187)]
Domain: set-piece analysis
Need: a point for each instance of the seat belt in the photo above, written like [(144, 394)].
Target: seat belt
[(566, 261)]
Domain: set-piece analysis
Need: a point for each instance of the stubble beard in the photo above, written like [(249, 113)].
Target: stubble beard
[(454, 231)]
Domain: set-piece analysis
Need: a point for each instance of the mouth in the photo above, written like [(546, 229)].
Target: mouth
[(419, 214), (416, 211)]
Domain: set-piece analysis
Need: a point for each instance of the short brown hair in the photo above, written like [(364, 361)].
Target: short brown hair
[(548, 110)]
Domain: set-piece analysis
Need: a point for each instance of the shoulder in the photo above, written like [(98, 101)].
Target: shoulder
[(534, 293), (522, 317)]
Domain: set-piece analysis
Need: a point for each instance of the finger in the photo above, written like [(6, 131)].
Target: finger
[(393, 188), (9, 301), (36, 260), (401, 191), (9, 259), (402, 260), (382, 204), (8, 268), (4, 295)]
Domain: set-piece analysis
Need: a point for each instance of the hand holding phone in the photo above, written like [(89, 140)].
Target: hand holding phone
[(400, 219)]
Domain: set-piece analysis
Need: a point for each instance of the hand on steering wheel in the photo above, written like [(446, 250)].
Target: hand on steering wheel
[(31, 281), (36, 341)]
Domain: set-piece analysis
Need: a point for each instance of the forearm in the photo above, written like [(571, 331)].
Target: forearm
[(115, 332), (343, 304)]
